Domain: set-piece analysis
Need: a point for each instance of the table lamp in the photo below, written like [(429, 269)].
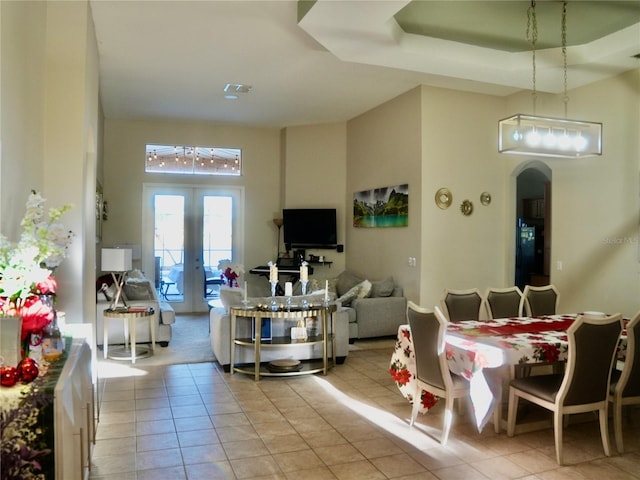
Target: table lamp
[(117, 260)]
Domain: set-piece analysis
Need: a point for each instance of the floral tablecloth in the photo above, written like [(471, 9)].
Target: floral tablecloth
[(472, 346)]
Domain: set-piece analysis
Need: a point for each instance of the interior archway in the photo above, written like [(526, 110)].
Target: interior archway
[(533, 225)]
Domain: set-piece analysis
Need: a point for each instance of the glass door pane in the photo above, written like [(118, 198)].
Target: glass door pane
[(169, 246), (217, 240)]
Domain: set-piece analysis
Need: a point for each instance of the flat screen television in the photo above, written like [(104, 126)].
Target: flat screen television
[(308, 227)]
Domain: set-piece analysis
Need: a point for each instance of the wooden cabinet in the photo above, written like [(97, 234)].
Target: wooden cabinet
[(74, 414)]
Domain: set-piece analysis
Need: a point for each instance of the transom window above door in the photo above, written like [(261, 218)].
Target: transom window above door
[(193, 160)]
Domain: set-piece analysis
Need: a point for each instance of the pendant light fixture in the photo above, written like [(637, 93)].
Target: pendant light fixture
[(534, 135)]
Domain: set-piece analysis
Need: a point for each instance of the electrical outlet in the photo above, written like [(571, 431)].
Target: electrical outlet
[(559, 265)]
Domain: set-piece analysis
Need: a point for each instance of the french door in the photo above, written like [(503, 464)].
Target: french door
[(187, 230)]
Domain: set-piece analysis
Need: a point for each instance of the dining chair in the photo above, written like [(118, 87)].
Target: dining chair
[(432, 371), (538, 301), (458, 305), (625, 384), (503, 302), (584, 385), (212, 282)]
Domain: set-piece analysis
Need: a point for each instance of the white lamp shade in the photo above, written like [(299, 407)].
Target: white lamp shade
[(116, 259)]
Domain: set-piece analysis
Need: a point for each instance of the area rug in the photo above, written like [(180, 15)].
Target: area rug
[(189, 344)]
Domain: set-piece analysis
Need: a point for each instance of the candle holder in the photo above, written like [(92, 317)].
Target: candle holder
[(305, 302), (273, 306), (288, 303)]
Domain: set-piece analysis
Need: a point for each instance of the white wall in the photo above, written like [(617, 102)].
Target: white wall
[(384, 149), (595, 201), (315, 177), (124, 158), (459, 138), (49, 123)]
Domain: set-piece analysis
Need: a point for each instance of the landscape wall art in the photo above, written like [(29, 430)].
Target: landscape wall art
[(382, 207)]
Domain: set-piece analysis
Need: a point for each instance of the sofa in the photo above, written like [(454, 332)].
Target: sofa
[(375, 308), (220, 333), (138, 291)]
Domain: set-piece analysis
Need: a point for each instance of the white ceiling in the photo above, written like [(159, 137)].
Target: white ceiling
[(172, 59)]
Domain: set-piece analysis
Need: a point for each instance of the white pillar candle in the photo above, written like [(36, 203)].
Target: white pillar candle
[(326, 290), (273, 273), (304, 273), (288, 289), (245, 291)]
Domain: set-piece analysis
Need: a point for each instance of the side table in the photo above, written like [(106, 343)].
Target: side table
[(130, 351)]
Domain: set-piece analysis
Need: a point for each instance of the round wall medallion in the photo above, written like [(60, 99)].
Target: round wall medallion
[(466, 207), (485, 198), (443, 198)]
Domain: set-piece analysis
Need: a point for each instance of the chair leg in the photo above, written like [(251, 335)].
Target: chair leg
[(416, 405), (604, 429), (512, 412), (448, 418), (557, 431), (617, 423)]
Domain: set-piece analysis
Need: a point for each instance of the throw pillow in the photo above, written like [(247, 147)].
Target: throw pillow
[(382, 288), (346, 299), (138, 289), (109, 291), (346, 281), (361, 290), (365, 289)]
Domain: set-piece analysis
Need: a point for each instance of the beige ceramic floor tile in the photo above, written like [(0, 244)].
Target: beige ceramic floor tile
[(255, 467), (245, 448), (500, 468), (210, 471), (203, 454), (300, 460), (362, 470), (193, 438), (191, 424)]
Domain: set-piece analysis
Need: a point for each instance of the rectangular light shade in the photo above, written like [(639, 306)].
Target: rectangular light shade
[(116, 259), (549, 137)]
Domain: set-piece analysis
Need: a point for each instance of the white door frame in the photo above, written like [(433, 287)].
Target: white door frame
[(148, 261)]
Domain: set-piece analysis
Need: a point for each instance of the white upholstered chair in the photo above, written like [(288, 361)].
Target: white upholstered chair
[(432, 371), (503, 302), (583, 387), (458, 305), (538, 301), (625, 384)]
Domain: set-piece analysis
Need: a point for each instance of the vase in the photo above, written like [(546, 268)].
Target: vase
[(10, 344)]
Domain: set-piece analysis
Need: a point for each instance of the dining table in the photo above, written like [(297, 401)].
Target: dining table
[(486, 352)]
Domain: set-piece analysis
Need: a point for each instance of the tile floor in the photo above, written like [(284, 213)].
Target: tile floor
[(197, 422)]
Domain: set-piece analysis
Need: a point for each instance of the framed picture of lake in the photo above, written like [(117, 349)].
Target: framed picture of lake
[(382, 207)]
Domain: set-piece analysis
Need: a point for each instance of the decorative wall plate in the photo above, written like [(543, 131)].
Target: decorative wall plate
[(485, 198), (443, 198), (466, 207)]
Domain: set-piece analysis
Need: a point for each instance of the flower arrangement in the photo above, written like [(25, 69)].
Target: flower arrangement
[(26, 267), (230, 272)]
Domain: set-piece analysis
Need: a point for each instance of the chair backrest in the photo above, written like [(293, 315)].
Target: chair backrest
[(503, 302), (629, 381), (593, 343), (539, 301), (427, 332), (460, 305)]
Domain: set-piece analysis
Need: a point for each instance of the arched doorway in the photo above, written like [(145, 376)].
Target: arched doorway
[(533, 225)]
